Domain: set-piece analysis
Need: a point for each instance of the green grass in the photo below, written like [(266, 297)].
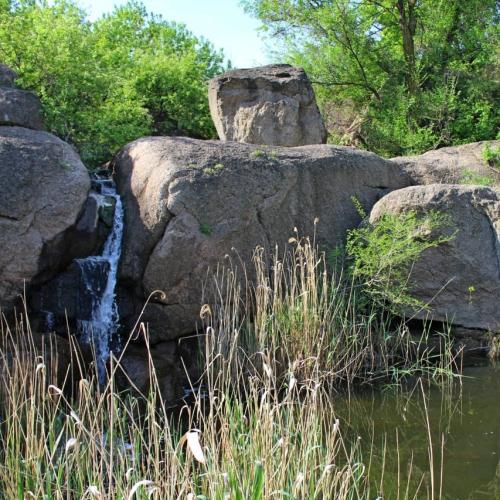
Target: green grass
[(266, 154)]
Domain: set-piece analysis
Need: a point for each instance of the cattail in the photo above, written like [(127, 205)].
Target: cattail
[(71, 443), (146, 483), (192, 438)]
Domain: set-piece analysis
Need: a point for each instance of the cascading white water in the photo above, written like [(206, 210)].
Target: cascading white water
[(98, 331)]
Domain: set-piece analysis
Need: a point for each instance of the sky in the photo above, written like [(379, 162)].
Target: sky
[(222, 22)]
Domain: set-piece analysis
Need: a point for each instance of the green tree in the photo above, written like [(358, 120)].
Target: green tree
[(395, 76), (105, 83)]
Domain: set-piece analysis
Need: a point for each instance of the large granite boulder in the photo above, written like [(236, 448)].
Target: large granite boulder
[(463, 164), (188, 203), (43, 188), (460, 279), (273, 105)]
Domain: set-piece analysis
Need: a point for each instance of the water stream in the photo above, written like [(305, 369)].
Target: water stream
[(99, 274)]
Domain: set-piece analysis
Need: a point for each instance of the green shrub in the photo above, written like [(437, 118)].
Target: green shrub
[(492, 155), (382, 254)]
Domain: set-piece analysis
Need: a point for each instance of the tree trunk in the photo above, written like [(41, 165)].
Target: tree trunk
[(408, 24)]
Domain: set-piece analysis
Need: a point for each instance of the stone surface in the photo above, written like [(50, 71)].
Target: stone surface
[(189, 203), (273, 105), (7, 76), (43, 187), (460, 278), (175, 364), (21, 108), (453, 165)]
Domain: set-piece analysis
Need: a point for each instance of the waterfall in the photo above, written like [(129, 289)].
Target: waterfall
[(99, 275)]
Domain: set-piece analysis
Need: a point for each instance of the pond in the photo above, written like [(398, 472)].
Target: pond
[(464, 422)]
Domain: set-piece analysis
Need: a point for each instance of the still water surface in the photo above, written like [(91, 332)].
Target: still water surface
[(465, 434)]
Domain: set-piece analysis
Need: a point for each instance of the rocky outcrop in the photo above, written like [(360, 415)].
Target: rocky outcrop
[(463, 164), (189, 203), (273, 105), (18, 107), (43, 188), (460, 279)]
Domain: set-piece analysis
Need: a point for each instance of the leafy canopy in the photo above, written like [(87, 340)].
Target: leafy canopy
[(104, 83), (395, 76)]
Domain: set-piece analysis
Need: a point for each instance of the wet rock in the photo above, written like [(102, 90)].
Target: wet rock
[(460, 279), (175, 365), (190, 203), (69, 297), (273, 105), (43, 188)]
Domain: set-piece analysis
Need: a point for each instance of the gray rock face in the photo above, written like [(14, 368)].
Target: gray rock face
[(460, 278), (453, 165), (7, 76), (273, 105), (21, 108), (189, 203), (43, 187)]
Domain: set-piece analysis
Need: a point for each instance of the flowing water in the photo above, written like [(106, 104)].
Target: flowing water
[(464, 423), (99, 274)]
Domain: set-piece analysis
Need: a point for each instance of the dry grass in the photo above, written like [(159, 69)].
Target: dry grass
[(262, 425)]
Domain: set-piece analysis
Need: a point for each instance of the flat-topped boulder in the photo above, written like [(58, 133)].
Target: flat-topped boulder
[(272, 105), (43, 188), (459, 279), (189, 203)]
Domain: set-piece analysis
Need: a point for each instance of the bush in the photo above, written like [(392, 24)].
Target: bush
[(382, 255)]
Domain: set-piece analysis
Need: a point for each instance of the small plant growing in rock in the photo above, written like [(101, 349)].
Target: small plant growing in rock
[(266, 154), (213, 169), (470, 177), (492, 156), (206, 229), (471, 290), (258, 153)]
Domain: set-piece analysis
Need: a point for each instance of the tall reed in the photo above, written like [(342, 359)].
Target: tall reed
[(262, 421)]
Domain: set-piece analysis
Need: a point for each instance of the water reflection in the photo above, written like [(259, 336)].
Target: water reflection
[(464, 422)]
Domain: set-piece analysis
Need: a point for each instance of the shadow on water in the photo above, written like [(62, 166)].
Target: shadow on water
[(464, 422)]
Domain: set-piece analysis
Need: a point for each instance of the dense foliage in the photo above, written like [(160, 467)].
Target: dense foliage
[(395, 76), (104, 83)]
